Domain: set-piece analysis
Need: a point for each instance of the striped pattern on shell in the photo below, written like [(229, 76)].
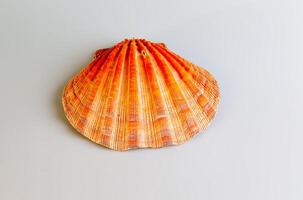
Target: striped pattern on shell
[(139, 94)]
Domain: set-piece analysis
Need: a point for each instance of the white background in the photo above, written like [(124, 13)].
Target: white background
[(252, 150)]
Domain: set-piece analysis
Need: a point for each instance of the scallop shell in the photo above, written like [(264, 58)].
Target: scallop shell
[(139, 94)]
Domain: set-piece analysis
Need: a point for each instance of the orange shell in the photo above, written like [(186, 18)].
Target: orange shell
[(139, 94)]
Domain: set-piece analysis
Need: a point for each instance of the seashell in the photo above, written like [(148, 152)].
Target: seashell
[(139, 94)]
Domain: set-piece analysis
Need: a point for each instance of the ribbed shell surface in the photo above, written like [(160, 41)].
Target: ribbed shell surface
[(139, 94)]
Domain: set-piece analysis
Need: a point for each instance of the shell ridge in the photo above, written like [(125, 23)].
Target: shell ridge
[(119, 75), (167, 133), (206, 94), (104, 116), (145, 99), (124, 134), (114, 52), (192, 91), (102, 60), (91, 68), (152, 106), (184, 106), (169, 103), (134, 123), (141, 137), (183, 62), (209, 94), (97, 104), (82, 88)]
